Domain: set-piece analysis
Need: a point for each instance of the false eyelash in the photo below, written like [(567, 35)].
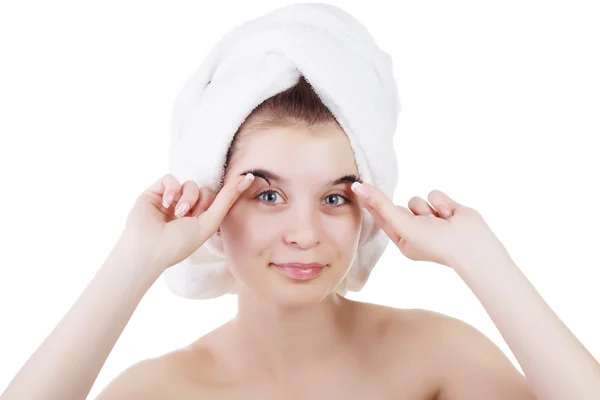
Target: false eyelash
[(346, 199)]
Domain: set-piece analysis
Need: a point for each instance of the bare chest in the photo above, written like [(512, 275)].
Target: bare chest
[(412, 385)]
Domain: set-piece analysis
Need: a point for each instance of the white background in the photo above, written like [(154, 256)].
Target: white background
[(500, 110)]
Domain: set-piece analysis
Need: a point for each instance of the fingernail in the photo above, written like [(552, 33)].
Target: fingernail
[(167, 200), (243, 183), (445, 210), (182, 209), (357, 187)]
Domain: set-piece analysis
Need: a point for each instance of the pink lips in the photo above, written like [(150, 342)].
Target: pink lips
[(300, 271)]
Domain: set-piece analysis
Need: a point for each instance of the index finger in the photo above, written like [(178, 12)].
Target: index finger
[(226, 197), (386, 209)]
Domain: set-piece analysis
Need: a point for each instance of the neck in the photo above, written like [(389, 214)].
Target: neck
[(287, 340)]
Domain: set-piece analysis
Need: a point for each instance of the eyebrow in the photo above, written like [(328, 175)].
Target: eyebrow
[(271, 176)]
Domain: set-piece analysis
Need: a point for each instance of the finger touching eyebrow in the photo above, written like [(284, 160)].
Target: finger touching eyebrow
[(266, 175), (345, 179), (271, 176)]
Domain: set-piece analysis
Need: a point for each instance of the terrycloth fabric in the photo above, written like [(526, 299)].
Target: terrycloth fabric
[(256, 60)]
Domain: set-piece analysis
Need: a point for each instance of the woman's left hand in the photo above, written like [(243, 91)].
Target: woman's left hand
[(444, 232)]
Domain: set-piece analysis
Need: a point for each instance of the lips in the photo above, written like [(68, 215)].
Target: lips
[(300, 271)]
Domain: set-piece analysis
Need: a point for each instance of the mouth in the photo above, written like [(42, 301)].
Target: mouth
[(300, 271)]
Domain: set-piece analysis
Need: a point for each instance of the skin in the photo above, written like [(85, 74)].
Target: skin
[(301, 340), (297, 340)]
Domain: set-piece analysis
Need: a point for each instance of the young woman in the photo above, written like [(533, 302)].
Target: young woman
[(294, 337)]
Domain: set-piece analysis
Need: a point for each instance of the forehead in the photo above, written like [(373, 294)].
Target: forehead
[(290, 148)]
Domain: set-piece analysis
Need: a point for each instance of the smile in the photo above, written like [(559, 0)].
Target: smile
[(300, 271)]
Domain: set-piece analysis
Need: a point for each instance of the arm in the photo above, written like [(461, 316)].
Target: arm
[(555, 363), (557, 366), (69, 360), (67, 363)]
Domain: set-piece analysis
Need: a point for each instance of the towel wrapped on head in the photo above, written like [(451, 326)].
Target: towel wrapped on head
[(257, 60)]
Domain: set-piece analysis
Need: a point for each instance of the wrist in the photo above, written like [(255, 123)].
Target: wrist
[(480, 254), (482, 263), (128, 257)]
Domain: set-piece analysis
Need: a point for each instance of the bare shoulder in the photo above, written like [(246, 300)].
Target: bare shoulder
[(407, 337), (182, 373), (446, 336), (396, 344), (398, 326), (156, 378), (467, 364), (140, 380)]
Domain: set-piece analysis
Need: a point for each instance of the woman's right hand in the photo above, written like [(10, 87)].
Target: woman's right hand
[(153, 240), (162, 236)]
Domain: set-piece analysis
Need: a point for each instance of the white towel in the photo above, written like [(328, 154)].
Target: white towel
[(256, 60)]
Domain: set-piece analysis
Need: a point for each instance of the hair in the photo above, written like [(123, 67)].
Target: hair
[(299, 105)]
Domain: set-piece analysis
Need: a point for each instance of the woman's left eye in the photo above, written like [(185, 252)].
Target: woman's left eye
[(270, 196), (338, 196)]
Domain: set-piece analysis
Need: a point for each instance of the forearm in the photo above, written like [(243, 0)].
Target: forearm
[(556, 365), (69, 360)]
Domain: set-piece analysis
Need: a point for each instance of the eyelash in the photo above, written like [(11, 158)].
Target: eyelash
[(346, 199)]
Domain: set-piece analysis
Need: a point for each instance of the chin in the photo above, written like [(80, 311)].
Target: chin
[(291, 290), (276, 287)]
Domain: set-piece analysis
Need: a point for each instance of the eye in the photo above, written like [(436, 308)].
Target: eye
[(336, 196), (270, 196)]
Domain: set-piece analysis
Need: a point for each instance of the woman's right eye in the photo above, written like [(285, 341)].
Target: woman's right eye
[(269, 196)]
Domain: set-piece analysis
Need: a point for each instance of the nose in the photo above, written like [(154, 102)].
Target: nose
[(303, 229)]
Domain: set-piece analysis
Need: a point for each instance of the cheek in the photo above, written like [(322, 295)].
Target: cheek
[(344, 230), (248, 230)]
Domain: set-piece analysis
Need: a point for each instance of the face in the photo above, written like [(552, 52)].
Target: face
[(299, 209)]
